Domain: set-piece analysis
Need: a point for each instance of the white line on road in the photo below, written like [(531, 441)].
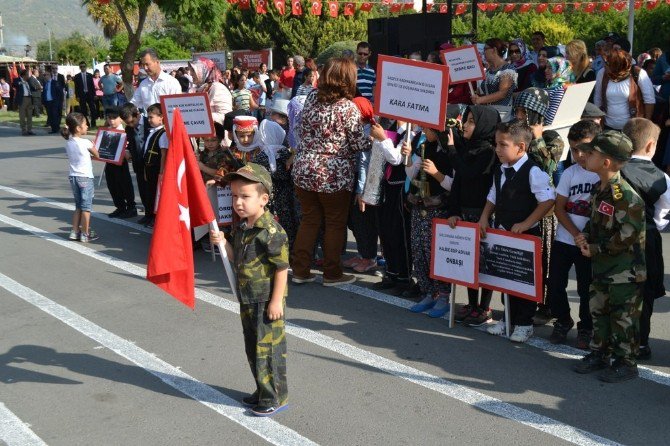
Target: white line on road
[(456, 391), (542, 344), (267, 429), (15, 432)]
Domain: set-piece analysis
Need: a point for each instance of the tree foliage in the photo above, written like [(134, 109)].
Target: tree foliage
[(74, 48), (165, 47), (335, 50)]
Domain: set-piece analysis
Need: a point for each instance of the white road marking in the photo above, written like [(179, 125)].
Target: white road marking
[(15, 432), (265, 428), (440, 385)]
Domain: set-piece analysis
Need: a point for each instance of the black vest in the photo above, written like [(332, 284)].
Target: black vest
[(514, 201), (152, 156), (649, 183), (441, 162)]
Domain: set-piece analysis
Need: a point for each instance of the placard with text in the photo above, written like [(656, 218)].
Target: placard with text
[(455, 253), (412, 91), (511, 263), (195, 111), (465, 64), (224, 200)]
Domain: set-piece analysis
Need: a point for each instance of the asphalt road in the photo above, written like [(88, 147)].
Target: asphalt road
[(92, 353)]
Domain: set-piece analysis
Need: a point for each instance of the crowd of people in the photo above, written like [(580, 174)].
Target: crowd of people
[(597, 200)]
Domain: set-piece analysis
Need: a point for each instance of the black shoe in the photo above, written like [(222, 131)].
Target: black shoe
[(263, 411), (560, 333), (128, 213), (385, 284), (592, 362), (150, 222), (115, 214), (251, 400), (644, 354), (31, 133), (619, 372), (542, 315), (144, 219), (411, 291)]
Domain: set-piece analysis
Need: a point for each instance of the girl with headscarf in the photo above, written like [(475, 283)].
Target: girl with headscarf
[(207, 78), (539, 79), (473, 159), (559, 75), (523, 63)]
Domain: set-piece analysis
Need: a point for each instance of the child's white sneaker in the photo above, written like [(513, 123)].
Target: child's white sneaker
[(498, 329), (521, 333)]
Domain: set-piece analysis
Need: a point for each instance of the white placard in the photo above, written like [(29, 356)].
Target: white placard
[(412, 91), (464, 64), (455, 253), (224, 200), (195, 111)]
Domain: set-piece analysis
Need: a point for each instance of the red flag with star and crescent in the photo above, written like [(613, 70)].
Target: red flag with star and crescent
[(183, 205)]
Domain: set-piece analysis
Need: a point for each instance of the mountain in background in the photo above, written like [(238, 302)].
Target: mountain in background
[(24, 20)]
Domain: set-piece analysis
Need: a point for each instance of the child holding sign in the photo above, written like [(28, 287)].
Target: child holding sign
[(520, 196)]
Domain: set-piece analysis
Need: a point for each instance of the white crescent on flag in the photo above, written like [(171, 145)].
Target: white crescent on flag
[(183, 210)]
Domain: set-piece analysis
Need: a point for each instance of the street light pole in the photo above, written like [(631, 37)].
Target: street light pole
[(51, 53)]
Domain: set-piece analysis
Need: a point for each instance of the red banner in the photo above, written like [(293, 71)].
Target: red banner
[(261, 7), (251, 59), (296, 7), (281, 6), (333, 8), (316, 7)]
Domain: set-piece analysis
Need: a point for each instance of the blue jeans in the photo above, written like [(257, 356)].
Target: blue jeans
[(83, 191), (110, 100)]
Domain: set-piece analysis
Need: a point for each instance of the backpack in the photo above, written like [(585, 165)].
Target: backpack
[(635, 102)]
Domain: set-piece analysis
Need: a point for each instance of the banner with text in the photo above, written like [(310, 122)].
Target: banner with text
[(224, 199), (455, 253), (251, 60), (465, 64), (195, 111), (413, 91), (511, 263)]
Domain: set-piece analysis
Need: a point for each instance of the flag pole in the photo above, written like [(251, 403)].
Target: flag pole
[(214, 226)]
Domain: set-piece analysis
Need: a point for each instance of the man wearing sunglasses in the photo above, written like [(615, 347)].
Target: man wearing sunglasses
[(365, 82)]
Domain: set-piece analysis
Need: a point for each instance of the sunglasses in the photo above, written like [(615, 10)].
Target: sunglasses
[(515, 51), (363, 54)]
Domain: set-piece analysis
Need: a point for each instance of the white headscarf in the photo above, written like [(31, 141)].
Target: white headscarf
[(255, 143), (272, 139)]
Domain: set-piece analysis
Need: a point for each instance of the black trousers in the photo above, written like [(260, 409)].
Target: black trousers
[(87, 105), (142, 187), (364, 227), (394, 233), (54, 114), (653, 286), (563, 256), (151, 174), (120, 185)]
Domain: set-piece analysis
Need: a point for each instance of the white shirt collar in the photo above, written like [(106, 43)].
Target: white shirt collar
[(642, 157), (516, 165)]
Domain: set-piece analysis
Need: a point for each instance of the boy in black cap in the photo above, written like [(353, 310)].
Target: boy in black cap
[(614, 239), (259, 253)]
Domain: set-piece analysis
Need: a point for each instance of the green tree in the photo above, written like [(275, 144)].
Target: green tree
[(74, 48), (165, 47)]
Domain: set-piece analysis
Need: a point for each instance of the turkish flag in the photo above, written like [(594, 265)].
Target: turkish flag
[(492, 7), (652, 4), (296, 8), (367, 7), (444, 8), (13, 73), (104, 2), (606, 208), (281, 6), (541, 7), (509, 7), (349, 8), (558, 8), (245, 4), (524, 8), (577, 6), (460, 9), (316, 7), (620, 6), (590, 7), (396, 7), (605, 7), (183, 205), (333, 8), (483, 7), (261, 7), (408, 5)]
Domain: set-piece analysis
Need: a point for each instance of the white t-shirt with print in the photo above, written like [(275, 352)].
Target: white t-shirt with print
[(576, 185), (78, 155)]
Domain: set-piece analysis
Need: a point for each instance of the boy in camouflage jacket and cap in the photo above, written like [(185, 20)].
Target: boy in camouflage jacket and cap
[(614, 238), (259, 254)]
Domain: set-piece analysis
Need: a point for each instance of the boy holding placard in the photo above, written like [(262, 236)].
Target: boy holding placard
[(614, 239), (520, 196), (119, 183)]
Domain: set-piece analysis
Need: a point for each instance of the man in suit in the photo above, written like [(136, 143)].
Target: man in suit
[(55, 75), (52, 98), (84, 90), (36, 91), (24, 102)]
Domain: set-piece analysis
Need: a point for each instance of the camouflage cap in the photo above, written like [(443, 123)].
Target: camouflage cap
[(610, 143), (252, 172)]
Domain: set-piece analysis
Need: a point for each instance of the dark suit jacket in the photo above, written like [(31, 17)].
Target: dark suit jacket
[(79, 85), (18, 91), (56, 91)]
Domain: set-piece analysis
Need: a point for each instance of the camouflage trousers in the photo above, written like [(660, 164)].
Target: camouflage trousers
[(265, 346), (616, 310)]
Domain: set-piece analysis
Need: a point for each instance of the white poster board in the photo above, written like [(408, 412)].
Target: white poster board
[(224, 199), (412, 91), (455, 253), (570, 110), (465, 64), (195, 111)]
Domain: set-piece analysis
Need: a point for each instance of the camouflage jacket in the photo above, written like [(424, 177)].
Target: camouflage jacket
[(616, 233), (546, 154), (259, 252)]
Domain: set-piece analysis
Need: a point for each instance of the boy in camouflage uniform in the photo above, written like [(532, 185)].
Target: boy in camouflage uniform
[(259, 254), (614, 239)]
